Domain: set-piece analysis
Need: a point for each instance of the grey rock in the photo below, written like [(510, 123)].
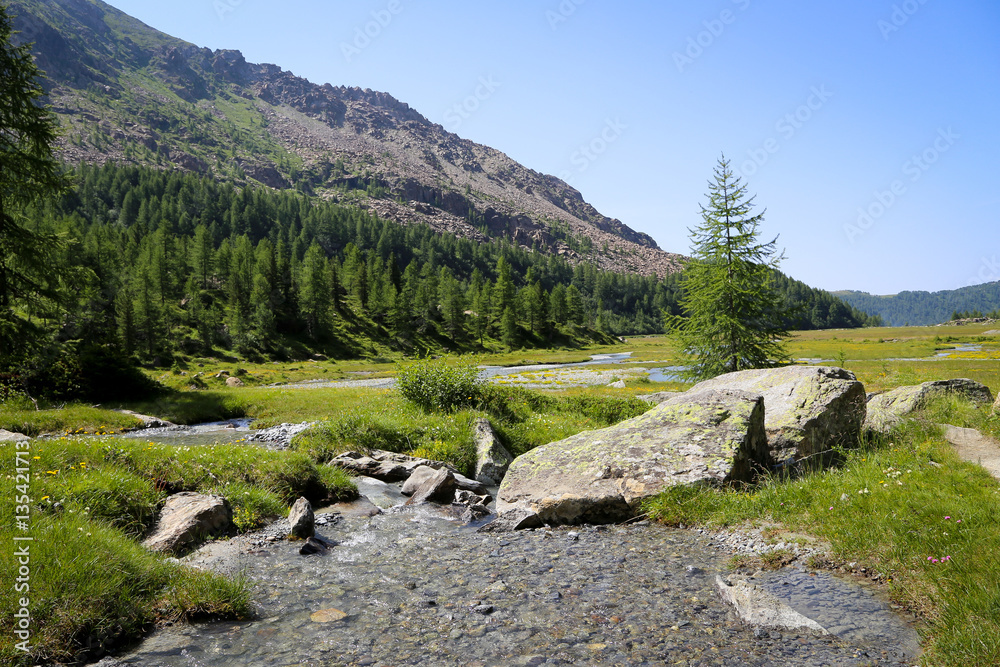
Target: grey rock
[(761, 609), (234, 382), (316, 545), (996, 405), (618, 384), (186, 519), (602, 476), (417, 478), (301, 520), (887, 410), (147, 421), (807, 409), (513, 519), (10, 436), (439, 487), (492, 458)]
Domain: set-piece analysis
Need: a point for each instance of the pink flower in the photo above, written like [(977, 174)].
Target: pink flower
[(946, 518), (930, 558)]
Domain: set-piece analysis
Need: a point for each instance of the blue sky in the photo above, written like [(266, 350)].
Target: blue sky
[(868, 129)]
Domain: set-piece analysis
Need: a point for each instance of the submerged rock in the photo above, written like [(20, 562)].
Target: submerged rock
[(807, 409), (761, 609), (711, 436), (188, 518)]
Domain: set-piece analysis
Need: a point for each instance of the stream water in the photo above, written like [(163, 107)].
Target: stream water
[(416, 586)]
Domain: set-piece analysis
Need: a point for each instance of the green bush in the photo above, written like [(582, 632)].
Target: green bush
[(607, 409), (435, 387)]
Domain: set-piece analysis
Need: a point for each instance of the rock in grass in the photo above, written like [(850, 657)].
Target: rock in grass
[(492, 458), (711, 436), (887, 410), (10, 436), (996, 405), (188, 518), (301, 520), (807, 409)]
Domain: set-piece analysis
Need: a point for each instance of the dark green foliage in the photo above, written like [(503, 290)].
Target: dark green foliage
[(923, 308), (29, 173), (733, 318), (436, 387)]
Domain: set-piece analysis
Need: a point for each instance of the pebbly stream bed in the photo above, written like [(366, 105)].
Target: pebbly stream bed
[(415, 586)]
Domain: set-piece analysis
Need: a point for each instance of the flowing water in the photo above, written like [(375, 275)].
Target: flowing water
[(416, 586)]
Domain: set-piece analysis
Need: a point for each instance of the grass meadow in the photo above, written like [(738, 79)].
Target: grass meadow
[(916, 516)]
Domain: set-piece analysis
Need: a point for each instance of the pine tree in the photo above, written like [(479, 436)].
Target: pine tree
[(732, 315), (28, 172)]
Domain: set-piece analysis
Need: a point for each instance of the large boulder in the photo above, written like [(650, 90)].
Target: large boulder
[(887, 410), (492, 458), (602, 476), (807, 409), (186, 519)]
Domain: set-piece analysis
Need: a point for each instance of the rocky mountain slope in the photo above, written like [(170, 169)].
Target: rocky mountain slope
[(128, 93)]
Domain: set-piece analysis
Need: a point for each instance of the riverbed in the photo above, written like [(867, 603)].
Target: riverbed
[(416, 586)]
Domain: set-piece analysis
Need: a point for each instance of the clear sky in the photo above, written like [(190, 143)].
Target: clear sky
[(868, 129)]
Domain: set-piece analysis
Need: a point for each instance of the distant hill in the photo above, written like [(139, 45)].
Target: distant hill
[(922, 308)]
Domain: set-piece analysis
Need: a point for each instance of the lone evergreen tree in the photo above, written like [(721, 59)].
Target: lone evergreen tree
[(28, 172), (731, 314)]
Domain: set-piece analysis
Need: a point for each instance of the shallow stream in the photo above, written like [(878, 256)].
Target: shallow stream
[(415, 586)]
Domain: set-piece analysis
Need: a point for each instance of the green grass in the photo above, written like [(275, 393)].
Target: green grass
[(905, 507), (20, 418), (93, 498)]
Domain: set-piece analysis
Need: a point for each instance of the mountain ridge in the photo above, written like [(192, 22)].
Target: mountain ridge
[(126, 92)]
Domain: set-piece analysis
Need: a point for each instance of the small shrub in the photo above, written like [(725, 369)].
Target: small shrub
[(607, 409), (435, 387)]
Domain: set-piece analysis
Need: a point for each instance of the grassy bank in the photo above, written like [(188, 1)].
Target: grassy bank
[(92, 498), (905, 508)]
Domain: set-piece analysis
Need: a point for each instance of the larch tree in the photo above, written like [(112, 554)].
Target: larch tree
[(731, 314), (29, 172)]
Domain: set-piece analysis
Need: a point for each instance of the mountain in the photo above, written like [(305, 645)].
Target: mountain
[(922, 308), (127, 93)]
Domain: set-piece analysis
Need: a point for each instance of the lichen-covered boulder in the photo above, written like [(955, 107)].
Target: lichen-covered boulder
[(603, 476), (807, 409), (888, 409), (186, 519)]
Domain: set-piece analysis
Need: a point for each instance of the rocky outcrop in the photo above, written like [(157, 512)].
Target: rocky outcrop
[(301, 520), (706, 437), (492, 458), (188, 518), (807, 409), (885, 411)]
